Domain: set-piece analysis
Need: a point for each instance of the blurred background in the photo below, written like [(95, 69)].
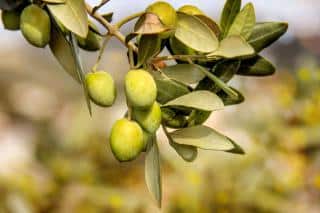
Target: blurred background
[(55, 158)]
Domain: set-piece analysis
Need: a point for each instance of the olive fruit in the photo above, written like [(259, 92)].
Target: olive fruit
[(35, 25), (11, 19), (146, 138), (101, 88), (191, 10), (150, 119), (140, 88), (166, 14), (126, 140)]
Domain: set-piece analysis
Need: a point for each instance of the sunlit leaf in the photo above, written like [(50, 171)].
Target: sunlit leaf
[(203, 100), (264, 34), (230, 11), (195, 34), (204, 137), (211, 24), (185, 73), (244, 22), (257, 66), (72, 15), (152, 171)]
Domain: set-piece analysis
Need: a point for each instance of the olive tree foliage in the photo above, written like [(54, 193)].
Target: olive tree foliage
[(178, 97)]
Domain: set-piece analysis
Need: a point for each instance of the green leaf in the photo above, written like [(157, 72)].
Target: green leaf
[(149, 46), (230, 11), (149, 23), (231, 100), (61, 49), (108, 16), (187, 153), (201, 99), (257, 66), (264, 34), (54, 1), (211, 24), (72, 15), (169, 89), (195, 34), (80, 71), (204, 137), (152, 170), (185, 73), (244, 22), (233, 47)]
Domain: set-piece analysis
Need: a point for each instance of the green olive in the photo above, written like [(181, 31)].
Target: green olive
[(146, 138), (35, 25), (140, 88), (150, 119), (126, 140), (166, 14), (191, 10), (101, 88), (11, 19)]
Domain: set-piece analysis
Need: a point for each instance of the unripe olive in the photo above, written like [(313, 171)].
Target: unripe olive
[(126, 140), (166, 14), (11, 19), (35, 25), (191, 10), (101, 88), (140, 88), (146, 138), (150, 119)]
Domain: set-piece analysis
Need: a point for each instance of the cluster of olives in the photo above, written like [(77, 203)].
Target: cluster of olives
[(34, 22), (129, 136)]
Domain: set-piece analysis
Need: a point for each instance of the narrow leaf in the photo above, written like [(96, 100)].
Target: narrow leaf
[(195, 34), (72, 15), (231, 100), (61, 49), (233, 47), (230, 11), (257, 66), (185, 73), (149, 46), (264, 34), (203, 137), (244, 22), (152, 170), (202, 100)]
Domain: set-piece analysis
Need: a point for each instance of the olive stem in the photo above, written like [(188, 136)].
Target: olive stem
[(104, 45), (129, 113), (131, 59), (128, 19), (112, 29)]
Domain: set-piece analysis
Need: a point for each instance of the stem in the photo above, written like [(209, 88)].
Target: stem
[(112, 29), (103, 2), (131, 58), (129, 113), (181, 57), (129, 18), (104, 45)]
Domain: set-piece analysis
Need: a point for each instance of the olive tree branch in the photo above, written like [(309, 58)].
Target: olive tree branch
[(128, 18), (112, 29)]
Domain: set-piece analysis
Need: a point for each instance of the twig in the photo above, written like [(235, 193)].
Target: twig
[(103, 2)]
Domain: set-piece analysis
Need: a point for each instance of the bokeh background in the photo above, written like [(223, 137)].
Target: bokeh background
[(55, 158)]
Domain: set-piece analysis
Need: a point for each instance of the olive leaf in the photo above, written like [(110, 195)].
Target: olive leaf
[(257, 66), (244, 22), (203, 100), (108, 16), (225, 70), (185, 73), (152, 170), (187, 153), (168, 89), (72, 15), (206, 138), (211, 24), (230, 11), (54, 1), (231, 100), (233, 47), (62, 50), (80, 71), (149, 46), (195, 34), (149, 23), (264, 34)]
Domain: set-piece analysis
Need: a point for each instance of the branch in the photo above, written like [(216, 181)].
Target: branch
[(103, 2), (113, 30)]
